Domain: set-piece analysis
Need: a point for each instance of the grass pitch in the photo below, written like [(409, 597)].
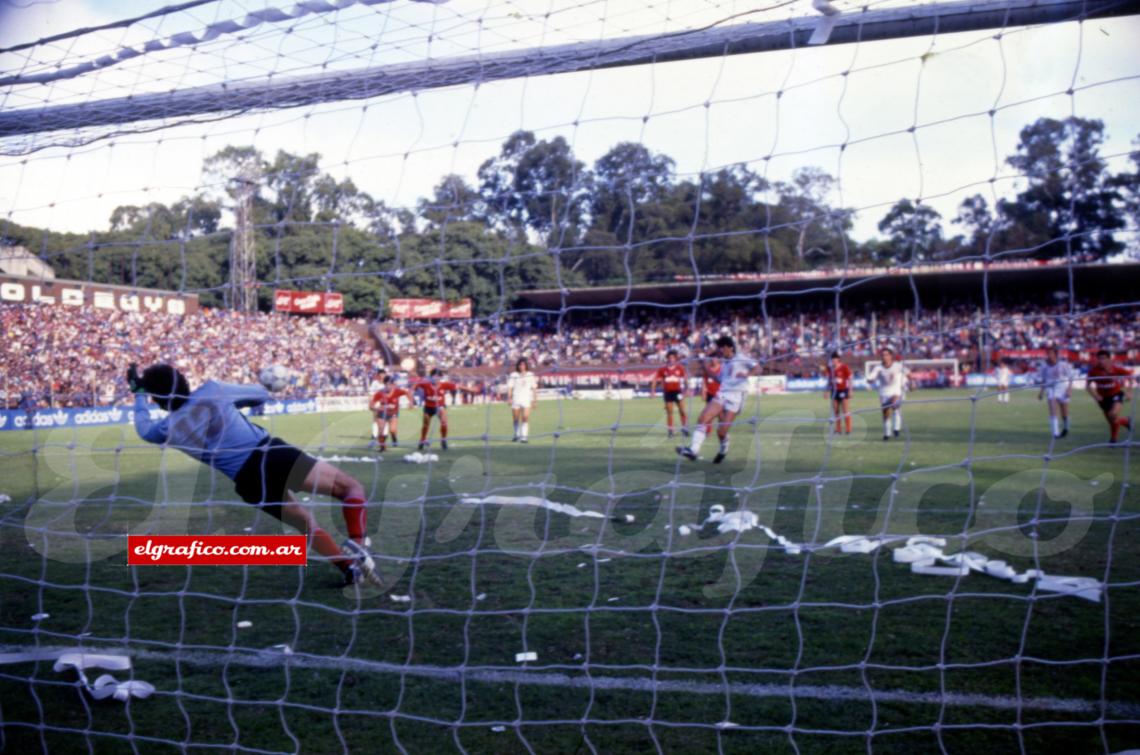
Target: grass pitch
[(644, 639)]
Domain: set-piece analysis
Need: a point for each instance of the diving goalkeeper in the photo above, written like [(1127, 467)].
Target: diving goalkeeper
[(206, 425)]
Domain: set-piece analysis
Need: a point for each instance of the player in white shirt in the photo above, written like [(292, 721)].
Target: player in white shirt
[(726, 404), (376, 385), (1055, 376), (891, 379), (1003, 376), (522, 386)]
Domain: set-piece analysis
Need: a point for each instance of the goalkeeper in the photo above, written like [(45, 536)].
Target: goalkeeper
[(206, 425)]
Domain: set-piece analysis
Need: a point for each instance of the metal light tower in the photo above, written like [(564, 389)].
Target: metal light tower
[(243, 248)]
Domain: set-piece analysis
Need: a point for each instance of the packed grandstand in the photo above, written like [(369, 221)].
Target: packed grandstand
[(55, 356)]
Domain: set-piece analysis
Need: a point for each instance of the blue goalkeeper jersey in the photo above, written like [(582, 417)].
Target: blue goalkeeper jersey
[(208, 426)]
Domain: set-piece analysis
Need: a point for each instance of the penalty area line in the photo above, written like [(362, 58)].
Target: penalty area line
[(827, 693)]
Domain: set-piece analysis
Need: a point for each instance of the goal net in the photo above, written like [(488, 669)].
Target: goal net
[(680, 527)]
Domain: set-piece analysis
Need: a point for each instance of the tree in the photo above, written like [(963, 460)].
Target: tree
[(536, 185), (1128, 183), (1070, 204), (914, 232), (820, 229), (453, 199)]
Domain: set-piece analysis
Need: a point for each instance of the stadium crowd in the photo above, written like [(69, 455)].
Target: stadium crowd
[(60, 356), (798, 342), (63, 356)]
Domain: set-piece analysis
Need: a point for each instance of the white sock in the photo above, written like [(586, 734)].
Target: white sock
[(526, 429), (898, 420), (886, 427), (1055, 425), (698, 440), (375, 432)]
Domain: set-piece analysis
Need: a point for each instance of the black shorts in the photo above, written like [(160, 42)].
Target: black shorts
[(1106, 404), (672, 397), (273, 469), (431, 411), (841, 394), (383, 415)]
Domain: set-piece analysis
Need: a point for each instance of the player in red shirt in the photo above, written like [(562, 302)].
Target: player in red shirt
[(673, 377), (386, 406), (434, 389), (1110, 385), (839, 389)]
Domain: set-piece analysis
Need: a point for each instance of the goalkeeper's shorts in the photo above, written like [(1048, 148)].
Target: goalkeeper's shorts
[(271, 471)]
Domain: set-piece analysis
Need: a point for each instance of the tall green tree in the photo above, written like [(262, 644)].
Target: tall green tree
[(1070, 204)]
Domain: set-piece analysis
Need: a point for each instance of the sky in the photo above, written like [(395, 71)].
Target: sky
[(705, 114)]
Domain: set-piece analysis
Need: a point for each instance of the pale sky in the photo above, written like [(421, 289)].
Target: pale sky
[(397, 147)]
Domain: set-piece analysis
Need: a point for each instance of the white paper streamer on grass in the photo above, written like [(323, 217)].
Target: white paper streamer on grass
[(415, 457), (923, 553), (531, 500), (105, 685)]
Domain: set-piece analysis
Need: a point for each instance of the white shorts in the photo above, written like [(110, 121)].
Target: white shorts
[(730, 401), (1061, 396), (520, 405), (894, 402)]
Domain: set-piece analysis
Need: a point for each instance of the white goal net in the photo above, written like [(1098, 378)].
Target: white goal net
[(680, 527)]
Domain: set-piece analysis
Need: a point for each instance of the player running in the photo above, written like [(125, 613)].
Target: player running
[(733, 377), (522, 386), (386, 406), (890, 377), (673, 377), (839, 388), (1055, 375), (206, 425), (1110, 386), (434, 389)]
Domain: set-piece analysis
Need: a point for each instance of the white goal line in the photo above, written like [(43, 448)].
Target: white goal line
[(830, 692)]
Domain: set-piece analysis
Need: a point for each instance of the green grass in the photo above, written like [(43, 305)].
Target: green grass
[(701, 610)]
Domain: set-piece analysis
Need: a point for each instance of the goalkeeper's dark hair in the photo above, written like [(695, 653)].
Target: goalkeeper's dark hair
[(835, 355), (169, 387), (436, 372), (725, 342), (1103, 353)]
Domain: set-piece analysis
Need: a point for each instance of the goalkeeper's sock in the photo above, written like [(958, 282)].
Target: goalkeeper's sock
[(327, 547), (355, 516), (525, 430), (848, 424), (698, 440), (443, 430), (423, 435)]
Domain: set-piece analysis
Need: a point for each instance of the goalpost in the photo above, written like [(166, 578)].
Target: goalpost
[(589, 185)]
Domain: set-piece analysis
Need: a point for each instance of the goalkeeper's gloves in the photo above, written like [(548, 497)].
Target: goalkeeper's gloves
[(134, 382)]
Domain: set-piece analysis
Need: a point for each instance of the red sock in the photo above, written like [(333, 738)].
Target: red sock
[(355, 517), (327, 547), (838, 427), (849, 424), (423, 434), (443, 431)]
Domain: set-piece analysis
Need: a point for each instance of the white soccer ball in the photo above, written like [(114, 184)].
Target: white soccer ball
[(274, 377)]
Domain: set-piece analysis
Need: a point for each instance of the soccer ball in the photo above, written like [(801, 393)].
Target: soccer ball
[(274, 377)]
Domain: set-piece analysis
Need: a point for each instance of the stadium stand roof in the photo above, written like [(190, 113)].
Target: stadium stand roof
[(933, 283)]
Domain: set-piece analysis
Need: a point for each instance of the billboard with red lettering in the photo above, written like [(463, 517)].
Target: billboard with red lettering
[(308, 302), (429, 309)]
